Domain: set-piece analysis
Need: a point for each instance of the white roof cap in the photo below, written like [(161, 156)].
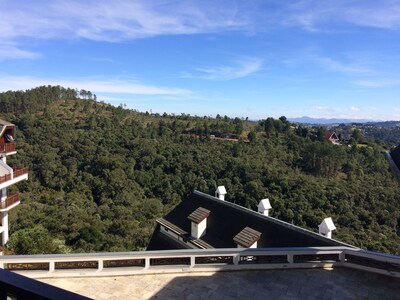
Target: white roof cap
[(327, 225), (264, 204), (221, 190)]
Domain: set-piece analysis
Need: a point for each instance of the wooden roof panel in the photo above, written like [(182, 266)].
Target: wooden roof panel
[(199, 215), (247, 237)]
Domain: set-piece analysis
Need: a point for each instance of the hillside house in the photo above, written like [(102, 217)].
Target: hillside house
[(332, 137)]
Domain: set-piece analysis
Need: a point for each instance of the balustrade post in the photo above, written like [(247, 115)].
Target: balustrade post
[(290, 258), (100, 265), (236, 259), (52, 266), (342, 257), (146, 262), (192, 261)]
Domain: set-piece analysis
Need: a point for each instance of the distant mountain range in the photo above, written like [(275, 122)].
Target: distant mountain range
[(309, 120)]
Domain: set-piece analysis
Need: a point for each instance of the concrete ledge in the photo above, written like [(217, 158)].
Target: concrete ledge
[(184, 261)]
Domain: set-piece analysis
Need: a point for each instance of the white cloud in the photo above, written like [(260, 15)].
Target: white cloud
[(338, 66), (382, 14), (378, 82), (115, 20), (112, 86), (315, 15), (11, 51), (242, 68), (354, 108), (320, 107), (120, 20), (111, 21)]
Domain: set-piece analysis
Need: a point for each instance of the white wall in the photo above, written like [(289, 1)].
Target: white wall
[(198, 230)]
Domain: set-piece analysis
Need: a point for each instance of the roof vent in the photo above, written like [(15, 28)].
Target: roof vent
[(264, 206), (326, 227), (199, 222), (220, 192), (247, 238)]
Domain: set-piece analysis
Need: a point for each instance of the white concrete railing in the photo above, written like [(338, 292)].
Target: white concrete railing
[(173, 261)]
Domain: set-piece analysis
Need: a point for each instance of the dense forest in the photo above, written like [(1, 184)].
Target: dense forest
[(100, 175)]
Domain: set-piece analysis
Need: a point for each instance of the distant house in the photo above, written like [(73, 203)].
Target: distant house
[(202, 221), (332, 137)]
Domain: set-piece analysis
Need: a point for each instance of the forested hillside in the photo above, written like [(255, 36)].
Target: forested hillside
[(100, 175)]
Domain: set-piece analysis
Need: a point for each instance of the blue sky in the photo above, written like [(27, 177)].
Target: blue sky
[(238, 58)]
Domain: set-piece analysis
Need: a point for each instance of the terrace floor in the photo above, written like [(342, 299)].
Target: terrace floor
[(339, 283)]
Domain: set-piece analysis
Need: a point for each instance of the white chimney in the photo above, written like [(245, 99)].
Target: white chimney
[(220, 192), (264, 206), (199, 222), (326, 227)]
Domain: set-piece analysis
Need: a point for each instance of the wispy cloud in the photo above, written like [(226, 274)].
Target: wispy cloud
[(321, 107), (354, 108), (239, 69), (378, 82), (361, 70), (11, 51), (118, 20), (338, 66), (314, 15), (115, 20), (111, 21), (112, 86)]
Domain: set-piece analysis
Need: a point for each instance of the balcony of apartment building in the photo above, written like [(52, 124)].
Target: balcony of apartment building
[(8, 148), (10, 176), (9, 203)]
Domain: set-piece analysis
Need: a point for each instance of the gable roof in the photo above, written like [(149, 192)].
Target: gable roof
[(331, 135), (227, 219)]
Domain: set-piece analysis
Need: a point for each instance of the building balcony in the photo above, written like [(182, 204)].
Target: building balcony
[(10, 202), (8, 148), (17, 175)]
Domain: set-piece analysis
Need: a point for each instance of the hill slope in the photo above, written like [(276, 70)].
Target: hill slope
[(101, 175)]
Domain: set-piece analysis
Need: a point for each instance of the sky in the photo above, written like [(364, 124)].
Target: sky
[(255, 59)]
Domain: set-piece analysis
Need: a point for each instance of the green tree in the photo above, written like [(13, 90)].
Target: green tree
[(35, 240)]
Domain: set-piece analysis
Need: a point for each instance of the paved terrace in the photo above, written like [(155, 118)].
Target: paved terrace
[(338, 283), (275, 273)]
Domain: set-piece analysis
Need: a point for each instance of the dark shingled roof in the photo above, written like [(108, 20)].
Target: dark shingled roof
[(199, 215), (395, 154), (227, 219), (247, 237)]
